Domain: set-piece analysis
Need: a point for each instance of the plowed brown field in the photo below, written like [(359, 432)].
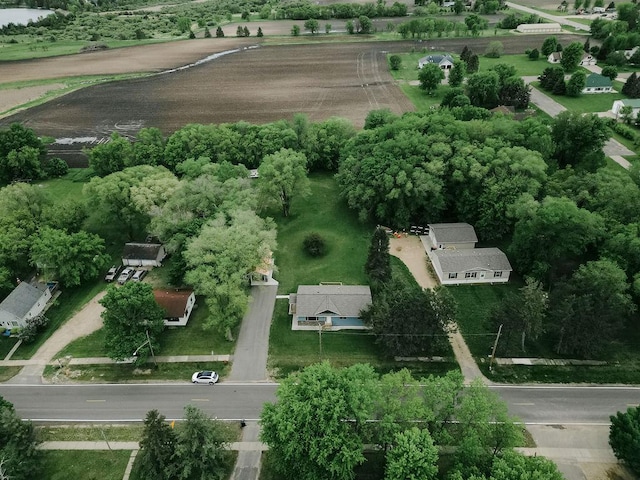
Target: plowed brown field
[(258, 85)]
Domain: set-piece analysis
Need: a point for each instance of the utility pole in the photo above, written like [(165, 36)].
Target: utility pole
[(495, 346), (154, 356)]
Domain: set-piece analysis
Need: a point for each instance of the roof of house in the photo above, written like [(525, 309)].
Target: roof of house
[(436, 59), (23, 298), (141, 251), (556, 56), (630, 102), (597, 80), (453, 232), (472, 259), (174, 302), (340, 300)]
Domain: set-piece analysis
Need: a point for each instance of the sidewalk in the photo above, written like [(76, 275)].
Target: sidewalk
[(106, 361)]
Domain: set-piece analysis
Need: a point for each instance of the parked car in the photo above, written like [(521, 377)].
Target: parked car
[(112, 274), (138, 275), (205, 377), (125, 275)]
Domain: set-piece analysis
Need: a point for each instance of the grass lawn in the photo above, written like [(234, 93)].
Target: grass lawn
[(192, 339), (6, 344), (7, 373), (86, 433), (121, 373), (592, 103), (347, 240), (420, 99), (87, 465)]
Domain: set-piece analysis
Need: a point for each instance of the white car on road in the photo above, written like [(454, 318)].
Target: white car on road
[(206, 376)]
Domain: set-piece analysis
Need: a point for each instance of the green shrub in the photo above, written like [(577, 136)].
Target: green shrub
[(314, 245)]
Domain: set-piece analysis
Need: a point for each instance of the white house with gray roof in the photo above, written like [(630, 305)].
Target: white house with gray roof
[(330, 307), (24, 302), (478, 265), (451, 249), (445, 62)]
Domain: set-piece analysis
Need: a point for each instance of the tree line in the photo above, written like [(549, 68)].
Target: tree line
[(324, 417)]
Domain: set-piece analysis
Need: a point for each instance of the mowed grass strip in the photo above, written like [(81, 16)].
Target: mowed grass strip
[(88, 433), (84, 464), (347, 240), (586, 103)]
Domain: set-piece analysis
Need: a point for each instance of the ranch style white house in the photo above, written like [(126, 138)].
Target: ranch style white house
[(597, 83), (634, 103), (456, 261), (330, 307), (26, 301), (143, 255), (177, 305), (445, 61)]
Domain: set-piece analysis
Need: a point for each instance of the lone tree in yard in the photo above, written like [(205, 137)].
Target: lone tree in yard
[(282, 176), (131, 318), (430, 77), (571, 56), (378, 266), (456, 74), (576, 83), (624, 437), (157, 448)]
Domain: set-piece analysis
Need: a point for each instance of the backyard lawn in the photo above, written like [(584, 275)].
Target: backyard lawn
[(347, 240), (84, 464), (592, 103)]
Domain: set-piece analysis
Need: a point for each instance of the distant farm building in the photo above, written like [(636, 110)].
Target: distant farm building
[(539, 28)]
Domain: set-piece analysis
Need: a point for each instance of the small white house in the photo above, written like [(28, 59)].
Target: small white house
[(598, 10), (634, 103), (26, 301), (329, 307), (554, 57), (597, 83), (478, 265), (143, 255), (539, 28), (445, 61), (177, 305)]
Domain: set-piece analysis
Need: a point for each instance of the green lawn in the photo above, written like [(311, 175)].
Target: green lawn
[(592, 103), (121, 373), (85, 465), (347, 240), (86, 433)]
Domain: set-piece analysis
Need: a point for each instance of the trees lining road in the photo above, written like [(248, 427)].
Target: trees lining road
[(234, 401)]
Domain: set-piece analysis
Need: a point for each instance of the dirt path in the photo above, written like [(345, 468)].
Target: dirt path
[(411, 252), (83, 323)]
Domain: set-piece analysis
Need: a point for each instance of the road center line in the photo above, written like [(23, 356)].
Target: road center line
[(199, 399), (525, 404), (95, 401)]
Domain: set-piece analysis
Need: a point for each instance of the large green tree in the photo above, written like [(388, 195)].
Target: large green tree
[(378, 265), (20, 153), (111, 156), (430, 76), (155, 459), (70, 258), (624, 437), (18, 445), (414, 456), (148, 148), (131, 318), (591, 308), (571, 56), (457, 73), (227, 249), (283, 176), (202, 450), (315, 430), (579, 140), (426, 317), (483, 89)]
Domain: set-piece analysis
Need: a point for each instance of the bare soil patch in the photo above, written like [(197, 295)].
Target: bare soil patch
[(13, 97)]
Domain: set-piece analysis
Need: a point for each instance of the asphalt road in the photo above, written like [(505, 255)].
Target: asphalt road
[(114, 403)]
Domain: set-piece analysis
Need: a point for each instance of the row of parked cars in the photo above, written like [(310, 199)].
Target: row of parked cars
[(123, 276)]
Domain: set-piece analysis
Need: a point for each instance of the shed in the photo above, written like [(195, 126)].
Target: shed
[(539, 28), (177, 305), (26, 301), (143, 254), (330, 307), (597, 83), (479, 265)]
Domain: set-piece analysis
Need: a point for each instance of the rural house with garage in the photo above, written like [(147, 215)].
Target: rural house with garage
[(456, 261), (597, 83), (331, 307), (634, 103), (26, 301), (177, 305), (445, 62), (143, 255)]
